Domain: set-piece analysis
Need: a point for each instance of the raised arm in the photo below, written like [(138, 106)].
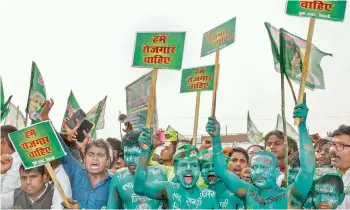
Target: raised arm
[(114, 201), (68, 162), (232, 182), (154, 190), (303, 182)]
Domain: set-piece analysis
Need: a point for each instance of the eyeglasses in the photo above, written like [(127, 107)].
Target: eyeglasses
[(339, 146)]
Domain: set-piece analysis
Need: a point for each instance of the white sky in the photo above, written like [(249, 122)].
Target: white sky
[(87, 46)]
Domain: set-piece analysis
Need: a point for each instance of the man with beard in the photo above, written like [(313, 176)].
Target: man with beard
[(239, 160), (227, 200), (89, 183), (265, 194), (340, 153), (121, 190), (184, 194), (323, 157)]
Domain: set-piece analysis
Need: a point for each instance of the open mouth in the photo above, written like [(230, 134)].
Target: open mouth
[(188, 179), (95, 166), (211, 177)]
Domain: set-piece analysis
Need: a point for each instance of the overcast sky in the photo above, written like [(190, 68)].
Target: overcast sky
[(87, 47)]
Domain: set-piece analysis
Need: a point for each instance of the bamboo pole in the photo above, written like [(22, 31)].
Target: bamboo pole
[(57, 184), (282, 70), (305, 65), (151, 97), (195, 127), (216, 79), (292, 89)]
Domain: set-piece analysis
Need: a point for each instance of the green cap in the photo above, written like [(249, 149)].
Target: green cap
[(326, 171), (186, 151)]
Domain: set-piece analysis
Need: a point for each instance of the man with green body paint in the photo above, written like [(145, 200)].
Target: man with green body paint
[(121, 189), (327, 191), (227, 200), (265, 194), (181, 195)]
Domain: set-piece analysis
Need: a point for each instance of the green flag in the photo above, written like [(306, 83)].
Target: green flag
[(37, 94), (294, 50), (4, 106), (253, 134), (290, 129), (15, 117), (96, 114), (72, 107)]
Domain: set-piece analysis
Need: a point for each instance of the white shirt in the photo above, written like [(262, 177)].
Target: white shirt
[(65, 184), (280, 178), (346, 181), (9, 182)]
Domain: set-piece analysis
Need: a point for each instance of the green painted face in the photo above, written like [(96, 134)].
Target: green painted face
[(292, 174), (326, 196), (208, 173), (131, 157), (187, 172), (263, 172)]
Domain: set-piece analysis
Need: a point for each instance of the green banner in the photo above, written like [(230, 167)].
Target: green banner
[(289, 128), (197, 79), (219, 37), (37, 144), (137, 97), (163, 50), (97, 114), (37, 94), (253, 134), (320, 9), (72, 107), (293, 49)]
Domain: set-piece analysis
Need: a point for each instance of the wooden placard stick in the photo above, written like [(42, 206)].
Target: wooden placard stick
[(216, 79), (305, 65), (57, 184), (151, 97), (196, 115)]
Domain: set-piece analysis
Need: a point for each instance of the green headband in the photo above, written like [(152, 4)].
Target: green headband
[(186, 151), (321, 172)]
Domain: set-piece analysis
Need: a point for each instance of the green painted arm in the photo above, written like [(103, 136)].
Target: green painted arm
[(304, 179), (114, 201), (141, 185), (232, 182)]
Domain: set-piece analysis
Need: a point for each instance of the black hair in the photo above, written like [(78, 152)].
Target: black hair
[(5, 131), (115, 143), (174, 143), (255, 145), (292, 144), (320, 143), (343, 129), (336, 181), (241, 150), (98, 143), (293, 160), (40, 169), (131, 139)]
